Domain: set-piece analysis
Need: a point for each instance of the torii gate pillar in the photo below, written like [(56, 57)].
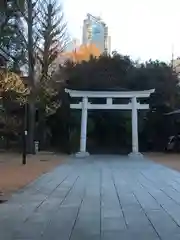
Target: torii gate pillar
[(83, 136), (134, 122)]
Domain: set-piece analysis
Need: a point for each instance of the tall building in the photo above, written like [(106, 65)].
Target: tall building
[(109, 44), (176, 67), (95, 31), (72, 45)]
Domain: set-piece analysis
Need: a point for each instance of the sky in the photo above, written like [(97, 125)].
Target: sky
[(142, 29)]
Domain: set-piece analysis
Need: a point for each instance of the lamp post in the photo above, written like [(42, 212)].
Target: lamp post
[(24, 154)]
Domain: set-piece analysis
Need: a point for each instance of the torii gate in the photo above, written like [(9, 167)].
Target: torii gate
[(133, 105)]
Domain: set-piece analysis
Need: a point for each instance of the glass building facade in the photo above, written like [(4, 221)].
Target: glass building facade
[(95, 32)]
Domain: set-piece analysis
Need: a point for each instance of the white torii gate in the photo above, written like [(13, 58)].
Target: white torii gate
[(133, 105)]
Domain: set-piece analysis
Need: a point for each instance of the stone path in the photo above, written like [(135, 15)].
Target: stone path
[(102, 197)]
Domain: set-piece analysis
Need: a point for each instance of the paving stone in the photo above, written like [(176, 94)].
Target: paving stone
[(129, 235), (101, 197), (112, 224)]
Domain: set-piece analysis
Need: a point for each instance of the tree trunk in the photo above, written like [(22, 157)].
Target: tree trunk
[(31, 125), (42, 129), (31, 128)]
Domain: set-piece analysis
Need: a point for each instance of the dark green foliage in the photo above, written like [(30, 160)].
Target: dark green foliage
[(11, 37), (112, 129), (110, 72)]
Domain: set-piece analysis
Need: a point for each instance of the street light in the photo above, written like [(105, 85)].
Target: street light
[(24, 154)]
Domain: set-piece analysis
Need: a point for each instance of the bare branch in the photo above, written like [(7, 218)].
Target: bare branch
[(7, 53), (21, 11), (22, 36)]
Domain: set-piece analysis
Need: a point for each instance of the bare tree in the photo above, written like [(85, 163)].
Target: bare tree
[(53, 34), (52, 30)]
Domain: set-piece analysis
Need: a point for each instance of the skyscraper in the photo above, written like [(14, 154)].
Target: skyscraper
[(95, 31), (72, 45)]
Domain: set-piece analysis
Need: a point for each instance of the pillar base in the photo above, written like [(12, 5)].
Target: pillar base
[(135, 155), (82, 154)]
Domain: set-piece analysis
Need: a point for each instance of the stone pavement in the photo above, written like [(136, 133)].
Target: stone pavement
[(102, 197)]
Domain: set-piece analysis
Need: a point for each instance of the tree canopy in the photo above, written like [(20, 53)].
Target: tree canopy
[(121, 73)]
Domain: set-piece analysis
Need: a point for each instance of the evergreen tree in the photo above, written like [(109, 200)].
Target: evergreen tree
[(11, 38)]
